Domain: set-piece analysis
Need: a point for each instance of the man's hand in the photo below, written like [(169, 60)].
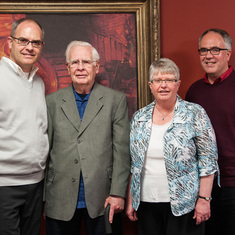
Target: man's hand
[(116, 205)]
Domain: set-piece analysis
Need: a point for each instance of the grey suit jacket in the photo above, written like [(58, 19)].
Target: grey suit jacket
[(98, 147)]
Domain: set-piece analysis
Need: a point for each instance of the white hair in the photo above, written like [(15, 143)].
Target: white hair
[(95, 53)]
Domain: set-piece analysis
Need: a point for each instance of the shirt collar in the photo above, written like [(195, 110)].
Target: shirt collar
[(18, 70), (221, 78), (78, 97)]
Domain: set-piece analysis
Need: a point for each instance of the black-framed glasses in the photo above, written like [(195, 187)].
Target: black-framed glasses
[(214, 50), (160, 81), (85, 63), (24, 42)]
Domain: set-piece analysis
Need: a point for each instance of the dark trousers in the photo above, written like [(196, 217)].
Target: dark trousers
[(94, 226), (157, 219), (21, 209), (222, 219)]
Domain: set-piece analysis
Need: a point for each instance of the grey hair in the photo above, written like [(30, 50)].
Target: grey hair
[(164, 66), (226, 37), (18, 22), (95, 54)]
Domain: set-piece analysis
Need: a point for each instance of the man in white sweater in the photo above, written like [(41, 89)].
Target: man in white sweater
[(23, 132)]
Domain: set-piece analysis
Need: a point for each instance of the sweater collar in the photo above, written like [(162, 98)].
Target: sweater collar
[(18, 70)]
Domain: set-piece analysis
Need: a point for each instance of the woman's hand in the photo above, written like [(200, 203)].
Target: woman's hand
[(202, 211), (130, 212)]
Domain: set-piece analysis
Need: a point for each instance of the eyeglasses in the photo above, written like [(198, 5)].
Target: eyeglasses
[(25, 42), (214, 51), (160, 81), (85, 63)]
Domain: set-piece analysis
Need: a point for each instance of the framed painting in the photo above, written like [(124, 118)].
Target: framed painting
[(125, 33)]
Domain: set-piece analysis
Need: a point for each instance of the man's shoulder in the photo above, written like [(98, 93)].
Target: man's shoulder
[(107, 91), (59, 93), (194, 89), (232, 75), (198, 83), (3, 63), (36, 77)]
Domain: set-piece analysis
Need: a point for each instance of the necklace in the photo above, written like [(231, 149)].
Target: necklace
[(163, 117)]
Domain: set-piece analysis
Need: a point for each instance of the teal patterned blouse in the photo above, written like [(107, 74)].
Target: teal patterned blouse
[(190, 152)]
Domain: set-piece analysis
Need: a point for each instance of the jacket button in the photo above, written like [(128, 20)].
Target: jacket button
[(79, 141), (73, 180), (76, 161)]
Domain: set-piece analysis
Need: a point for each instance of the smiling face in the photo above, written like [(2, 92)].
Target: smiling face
[(25, 56), (83, 76), (164, 92), (214, 65)]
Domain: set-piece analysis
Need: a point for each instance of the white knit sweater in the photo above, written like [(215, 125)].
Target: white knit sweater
[(23, 126)]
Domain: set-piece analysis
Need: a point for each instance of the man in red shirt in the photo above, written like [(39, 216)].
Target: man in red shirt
[(216, 93)]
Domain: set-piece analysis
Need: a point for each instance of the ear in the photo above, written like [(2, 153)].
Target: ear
[(179, 82), (229, 53), (67, 65), (97, 66), (150, 85), (9, 42)]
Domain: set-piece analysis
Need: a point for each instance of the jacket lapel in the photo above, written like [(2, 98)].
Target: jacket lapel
[(93, 107), (69, 108)]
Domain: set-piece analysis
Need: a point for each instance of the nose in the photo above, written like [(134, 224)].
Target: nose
[(163, 83)]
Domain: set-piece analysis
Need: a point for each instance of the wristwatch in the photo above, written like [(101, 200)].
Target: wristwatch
[(206, 198)]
